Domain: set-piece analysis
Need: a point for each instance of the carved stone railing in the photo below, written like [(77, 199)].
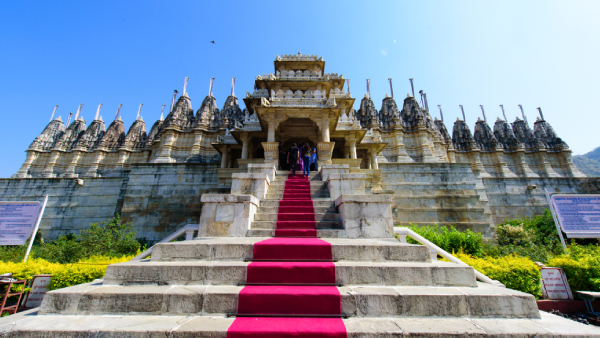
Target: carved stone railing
[(298, 57), (300, 77), (296, 102)]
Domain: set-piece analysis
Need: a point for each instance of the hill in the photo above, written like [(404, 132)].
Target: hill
[(589, 163)]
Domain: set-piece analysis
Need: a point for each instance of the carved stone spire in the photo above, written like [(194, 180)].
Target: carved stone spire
[(182, 116), (70, 137), (414, 116), (231, 110), (505, 135), (114, 136), (92, 135), (544, 132), (441, 127), (208, 111), (136, 136), (49, 136), (389, 114), (524, 134), (367, 115), (484, 137), (461, 136)]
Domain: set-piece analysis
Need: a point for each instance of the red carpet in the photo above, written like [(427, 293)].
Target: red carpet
[(291, 258)]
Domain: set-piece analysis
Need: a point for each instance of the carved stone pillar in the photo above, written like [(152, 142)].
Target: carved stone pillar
[(523, 165), (401, 154), (224, 156), (346, 151), (272, 152), (70, 170), (451, 154), (164, 155), (374, 164), (245, 139), (92, 170), (272, 127), (476, 165), (351, 141), (325, 129), (23, 172), (324, 151), (197, 143), (49, 168)]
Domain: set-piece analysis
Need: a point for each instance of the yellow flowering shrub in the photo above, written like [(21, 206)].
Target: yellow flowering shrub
[(84, 271), (517, 273), (581, 265)]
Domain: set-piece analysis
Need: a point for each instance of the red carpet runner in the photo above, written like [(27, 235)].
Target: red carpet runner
[(293, 275)]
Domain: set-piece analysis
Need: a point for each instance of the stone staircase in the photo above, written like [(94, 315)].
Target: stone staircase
[(329, 220), (193, 289)]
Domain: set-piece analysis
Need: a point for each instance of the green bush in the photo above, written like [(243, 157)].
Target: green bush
[(517, 273), (111, 239), (450, 239), (582, 266)]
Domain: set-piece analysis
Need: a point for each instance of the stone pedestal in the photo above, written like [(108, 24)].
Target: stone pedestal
[(328, 169), (366, 216), (226, 215), (353, 163), (255, 184), (324, 151), (243, 163), (346, 184), (272, 152), (268, 169)]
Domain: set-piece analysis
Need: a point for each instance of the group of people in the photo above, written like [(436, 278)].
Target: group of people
[(303, 158)]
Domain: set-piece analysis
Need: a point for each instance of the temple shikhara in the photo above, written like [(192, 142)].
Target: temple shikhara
[(271, 254), (434, 173)]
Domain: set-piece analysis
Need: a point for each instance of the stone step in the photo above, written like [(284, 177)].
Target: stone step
[(324, 233), (318, 217), (347, 273), (275, 209), (317, 202), (279, 195), (240, 248), (321, 225), (356, 301), (29, 324), (281, 188)]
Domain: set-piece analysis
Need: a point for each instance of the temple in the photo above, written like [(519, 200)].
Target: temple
[(155, 177)]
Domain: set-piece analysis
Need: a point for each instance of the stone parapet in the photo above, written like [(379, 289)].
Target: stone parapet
[(255, 184), (366, 216), (327, 169), (269, 169), (346, 184), (226, 215), (354, 163)]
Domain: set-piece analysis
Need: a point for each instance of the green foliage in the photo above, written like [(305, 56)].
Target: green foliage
[(518, 273), (450, 239), (111, 239), (535, 238), (582, 266)]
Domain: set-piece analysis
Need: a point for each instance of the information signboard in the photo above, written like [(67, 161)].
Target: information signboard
[(39, 285), (555, 285), (578, 215), (17, 220)]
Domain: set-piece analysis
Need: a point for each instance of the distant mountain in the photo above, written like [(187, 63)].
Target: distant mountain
[(589, 163)]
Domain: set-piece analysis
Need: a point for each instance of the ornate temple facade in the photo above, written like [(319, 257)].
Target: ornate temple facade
[(154, 177)]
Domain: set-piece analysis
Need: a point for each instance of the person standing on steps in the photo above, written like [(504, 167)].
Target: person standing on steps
[(292, 158), (313, 159), (306, 159)]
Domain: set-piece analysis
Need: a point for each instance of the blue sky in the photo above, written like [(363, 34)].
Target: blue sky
[(535, 53)]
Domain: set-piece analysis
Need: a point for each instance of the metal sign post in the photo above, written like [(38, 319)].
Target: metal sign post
[(35, 229), (553, 211)]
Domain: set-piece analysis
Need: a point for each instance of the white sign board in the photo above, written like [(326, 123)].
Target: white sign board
[(17, 220), (38, 291), (578, 215), (555, 285)]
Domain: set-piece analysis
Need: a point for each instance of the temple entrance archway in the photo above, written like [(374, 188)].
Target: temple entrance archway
[(298, 130)]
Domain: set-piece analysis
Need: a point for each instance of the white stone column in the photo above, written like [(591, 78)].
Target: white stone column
[(271, 134), (224, 156), (374, 163), (346, 151), (325, 130), (353, 148), (245, 140)]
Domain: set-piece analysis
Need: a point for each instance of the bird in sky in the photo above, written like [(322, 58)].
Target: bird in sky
[(213, 42)]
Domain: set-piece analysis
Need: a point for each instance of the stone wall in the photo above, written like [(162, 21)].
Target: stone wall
[(160, 198), (71, 206), (156, 198)]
